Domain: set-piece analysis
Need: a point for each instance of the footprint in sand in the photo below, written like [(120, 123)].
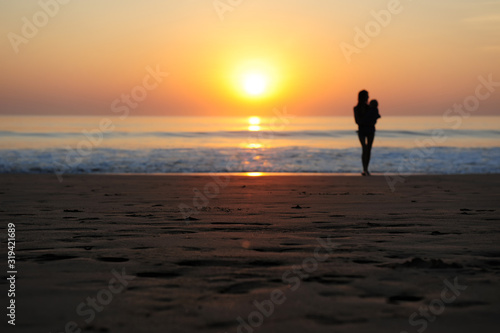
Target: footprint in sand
[(112, 259), (158, 275), (403, 298)]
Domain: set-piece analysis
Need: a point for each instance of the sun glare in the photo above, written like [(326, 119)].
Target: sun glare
[(255, 80), (254, 121), (254, 174), (253, 146), (254, 124), (255, 84)]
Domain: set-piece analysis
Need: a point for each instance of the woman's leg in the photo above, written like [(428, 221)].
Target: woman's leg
[(369, 143), (363, 140)]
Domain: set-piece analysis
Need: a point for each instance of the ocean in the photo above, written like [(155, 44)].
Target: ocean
[(277, 144)]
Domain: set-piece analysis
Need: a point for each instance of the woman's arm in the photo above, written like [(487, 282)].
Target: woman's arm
[(358, 118), (362, 116)]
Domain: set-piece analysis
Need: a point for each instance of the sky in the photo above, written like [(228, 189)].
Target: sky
[(416, 57)]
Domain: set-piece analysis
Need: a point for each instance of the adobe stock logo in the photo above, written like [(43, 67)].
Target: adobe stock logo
[(222, 7), (292, 279), (454, 116), (372, 29), (31, 28), (94, 137), (89, 309), (437, 306)]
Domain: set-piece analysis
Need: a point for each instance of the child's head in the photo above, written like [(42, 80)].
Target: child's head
[(374, 103)]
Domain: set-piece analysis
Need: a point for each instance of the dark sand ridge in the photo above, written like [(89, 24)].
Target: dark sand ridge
[(391, 255)]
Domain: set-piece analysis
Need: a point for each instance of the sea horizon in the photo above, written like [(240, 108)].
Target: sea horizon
[(294, 145)]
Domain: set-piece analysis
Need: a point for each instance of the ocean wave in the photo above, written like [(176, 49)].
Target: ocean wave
[(436, 160)]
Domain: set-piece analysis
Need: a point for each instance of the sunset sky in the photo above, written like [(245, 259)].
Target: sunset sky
[(245, 61)]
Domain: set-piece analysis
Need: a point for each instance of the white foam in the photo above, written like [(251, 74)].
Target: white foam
[(440, 160)]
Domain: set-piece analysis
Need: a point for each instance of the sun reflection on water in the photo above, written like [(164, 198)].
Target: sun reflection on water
[(253, 145), (254, 174), (254, 124)]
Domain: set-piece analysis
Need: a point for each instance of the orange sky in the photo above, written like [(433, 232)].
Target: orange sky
[(423, 58)]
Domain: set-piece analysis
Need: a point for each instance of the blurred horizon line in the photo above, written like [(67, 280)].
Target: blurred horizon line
[(218, 116)]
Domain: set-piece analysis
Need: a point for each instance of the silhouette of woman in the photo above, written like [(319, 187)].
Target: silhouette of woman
[(366, 117)]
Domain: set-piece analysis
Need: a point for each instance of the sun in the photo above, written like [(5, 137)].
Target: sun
[(255, 84), (254, 120), (254, 80)]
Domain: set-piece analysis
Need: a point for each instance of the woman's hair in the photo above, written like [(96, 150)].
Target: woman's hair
[(363, 97)]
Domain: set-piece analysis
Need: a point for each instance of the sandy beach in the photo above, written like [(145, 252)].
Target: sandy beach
[(253, 254)]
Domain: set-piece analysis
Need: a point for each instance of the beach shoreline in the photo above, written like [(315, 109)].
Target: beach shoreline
[(265, 254)]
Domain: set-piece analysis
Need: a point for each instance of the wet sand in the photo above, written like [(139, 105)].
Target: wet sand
[(259, 254)]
